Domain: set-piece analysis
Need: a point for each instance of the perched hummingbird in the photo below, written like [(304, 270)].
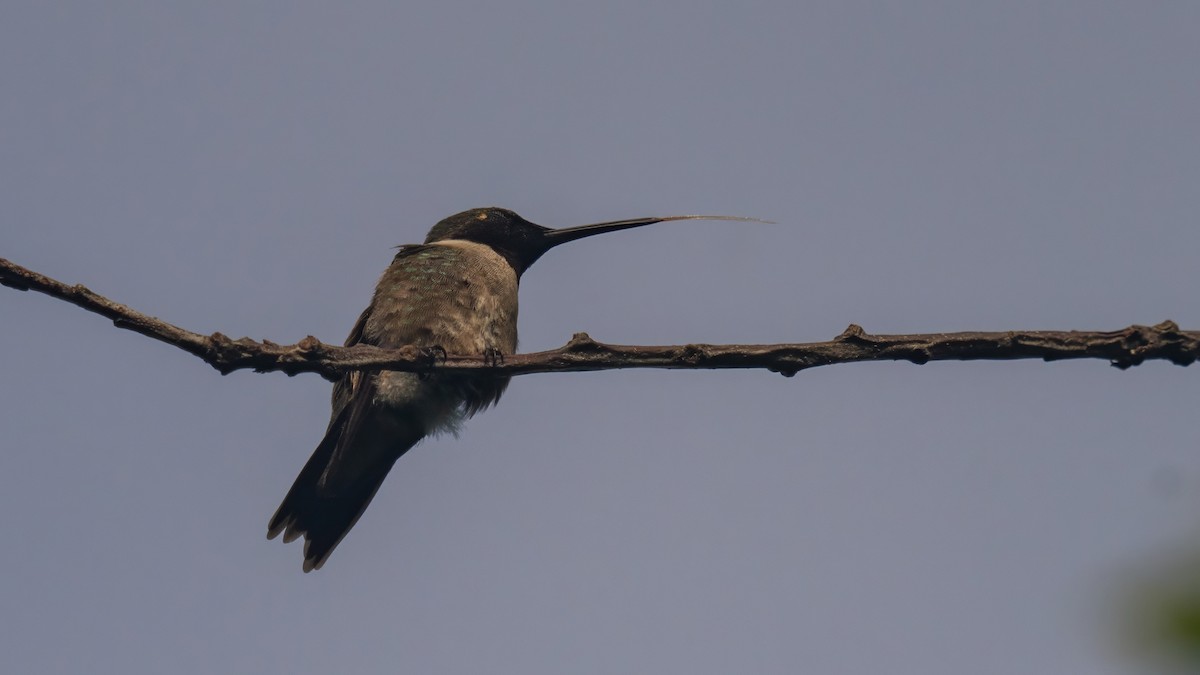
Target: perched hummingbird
[(455, 294)]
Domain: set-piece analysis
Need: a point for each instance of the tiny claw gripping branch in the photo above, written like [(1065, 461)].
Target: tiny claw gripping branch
[(432, 355), (493, 357)]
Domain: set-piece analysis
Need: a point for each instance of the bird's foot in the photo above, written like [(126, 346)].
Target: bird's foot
[(431, 355), (493, 357)]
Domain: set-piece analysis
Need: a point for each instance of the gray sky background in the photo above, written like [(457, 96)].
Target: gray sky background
[(932, 166)]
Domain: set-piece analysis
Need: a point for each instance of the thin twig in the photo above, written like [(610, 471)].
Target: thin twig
[(1122, 348)]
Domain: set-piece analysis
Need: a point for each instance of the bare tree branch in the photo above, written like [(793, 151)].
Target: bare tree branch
[(1122, 348)]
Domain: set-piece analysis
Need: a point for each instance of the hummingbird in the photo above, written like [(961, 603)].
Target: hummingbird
[(456, 293)]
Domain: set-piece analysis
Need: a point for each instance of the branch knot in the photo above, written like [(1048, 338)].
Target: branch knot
[(693, 354), (853, 333), (582, 342)]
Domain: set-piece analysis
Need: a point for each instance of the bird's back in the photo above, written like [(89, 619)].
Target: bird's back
[(458, 295)]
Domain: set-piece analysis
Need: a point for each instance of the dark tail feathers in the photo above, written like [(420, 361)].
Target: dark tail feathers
[(323, 513)]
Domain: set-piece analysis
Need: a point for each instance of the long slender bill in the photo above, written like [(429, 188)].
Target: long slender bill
[(555, 237)]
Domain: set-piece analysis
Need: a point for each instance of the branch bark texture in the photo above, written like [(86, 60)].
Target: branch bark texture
[(1122, 348)]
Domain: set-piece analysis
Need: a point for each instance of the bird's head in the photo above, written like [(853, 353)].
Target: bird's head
[(522, 242)]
